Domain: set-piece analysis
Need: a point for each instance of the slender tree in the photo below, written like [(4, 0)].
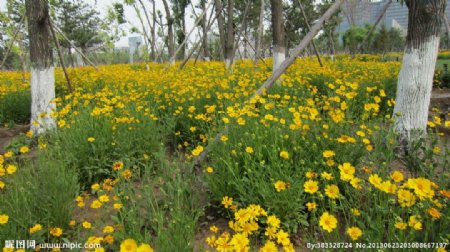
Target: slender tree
[(42, 70), (416, 75), (229, 43), (170, 39), (278, 34), (220, 23), (205, 32), (259, 33)]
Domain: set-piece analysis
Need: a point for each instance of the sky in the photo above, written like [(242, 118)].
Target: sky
[(130, 16)]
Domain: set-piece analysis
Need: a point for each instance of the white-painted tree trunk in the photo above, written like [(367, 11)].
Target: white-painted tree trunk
[(414, 89), (278, 58), (42, 94), (227, 63)]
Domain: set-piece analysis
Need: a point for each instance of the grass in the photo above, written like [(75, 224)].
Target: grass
[(313, 160)]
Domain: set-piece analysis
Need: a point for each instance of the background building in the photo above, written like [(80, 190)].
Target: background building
[(361, 12)]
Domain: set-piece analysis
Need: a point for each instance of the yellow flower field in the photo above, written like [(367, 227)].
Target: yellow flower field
[(311, 160)]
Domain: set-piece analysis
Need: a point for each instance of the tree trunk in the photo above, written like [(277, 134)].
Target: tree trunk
[(221, 24), (205, 33), (42, 70), (170, 42), (229, 44), (153, 52), (416, 76), (279, 42), (259, 34)]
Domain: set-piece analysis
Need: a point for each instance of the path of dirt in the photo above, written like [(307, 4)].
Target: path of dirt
[(7, 134)]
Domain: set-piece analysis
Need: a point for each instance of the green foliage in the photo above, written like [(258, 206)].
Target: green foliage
[(79, 21), (387, 41), (15, 107), (40, 192), (353, 37)]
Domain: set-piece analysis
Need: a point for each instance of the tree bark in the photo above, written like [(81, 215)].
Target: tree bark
[(170, 42), (279, 40), (229, 43), (260, 34), (153, 52), (42, 70), (205, 33), (220, 23), (416, 76)]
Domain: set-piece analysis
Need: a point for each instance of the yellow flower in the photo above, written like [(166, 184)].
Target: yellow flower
[(197, 151), (434, 213), (91, 139), (401, 225), (406, 198), (109, 239), (311, 206), (87, 224), (11, 169), (249, 150), (354, 233), (126, 174), (414, 222), (56, 231), (95, 187), (214, 229), (2, 184), (280, 186), (327, 175), (375, 180), (311, 186), (310, 174), (347, 171), (72, 223), (103, 198), (227, 201), (328, 154), (356, 183), (29, 134), (283, 238), (210, 169), (96, 204), (117, 166), (284, 154), (223, 138), (24, 149), (397, 176), (8, 154), (108, 229), (35, 228), (4, 219), (328, 222), (269, 246), (128, 245), (273, 221), (332, 191), (117, 206), (240, 242), (144, 248), (355, 212), (422, 187)]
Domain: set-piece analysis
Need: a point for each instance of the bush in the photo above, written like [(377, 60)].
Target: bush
[(15, 107)]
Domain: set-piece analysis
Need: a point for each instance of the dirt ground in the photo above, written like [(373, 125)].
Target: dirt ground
[(7, 134)]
